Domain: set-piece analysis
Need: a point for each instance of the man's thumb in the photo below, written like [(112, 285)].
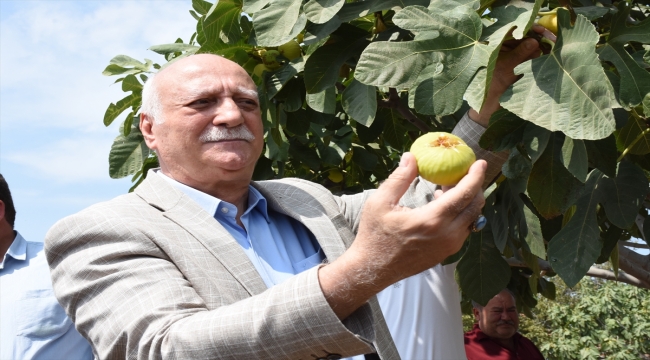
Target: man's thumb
[(393, 188)]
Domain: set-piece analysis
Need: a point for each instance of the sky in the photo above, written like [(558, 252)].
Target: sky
[(53, 144)]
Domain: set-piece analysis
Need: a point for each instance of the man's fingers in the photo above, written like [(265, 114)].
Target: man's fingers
[(521, 53), (392, 189), (456, 200)]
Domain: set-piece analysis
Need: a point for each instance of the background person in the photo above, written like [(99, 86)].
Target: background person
[(495, 335), (32, 323)]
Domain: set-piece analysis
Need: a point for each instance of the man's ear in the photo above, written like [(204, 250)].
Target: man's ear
[(476, 313), (146, 127)]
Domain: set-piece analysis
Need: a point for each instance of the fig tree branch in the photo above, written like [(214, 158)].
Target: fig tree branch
[(593, 271)]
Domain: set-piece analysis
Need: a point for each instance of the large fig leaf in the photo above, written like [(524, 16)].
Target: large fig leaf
[(551, 187), (574, 248), (127, 154), (482, 271), (274, 25), (222, 21), (360, 102), (357, 9), (566, 90), (440, 68), (321, 11), (623, 195)]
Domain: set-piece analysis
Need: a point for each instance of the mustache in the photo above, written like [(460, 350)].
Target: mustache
[(504, 322), (219, 133)]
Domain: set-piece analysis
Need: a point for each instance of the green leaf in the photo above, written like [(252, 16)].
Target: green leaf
[(297, 122), (551, 187), (201, 7), (635, 136), (574, 158), (504, 131), (602, 154), (482, 271), (574, 248), (274, 25), (623, 32), (571, 71), (282, 76), (592, 12), (324, 101), (127, 61), (127, 154), (234, 52), (369, 134), (113, 69), (438, 69), (360, 102), (394, 133), (610, 240), (321, 11), (222, 22), (635, 81), (277, 146), (131, 83), (165, 49), (253, 6), (322, 67), (357, 9), (533, 237), (535, 139), (114, 110), (623, 195), (364, 158)]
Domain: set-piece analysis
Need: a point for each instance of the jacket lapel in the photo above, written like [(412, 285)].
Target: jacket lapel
[(203, 227), (304, 205)]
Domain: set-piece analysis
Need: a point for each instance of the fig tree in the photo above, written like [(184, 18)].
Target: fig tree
[(442, 158)]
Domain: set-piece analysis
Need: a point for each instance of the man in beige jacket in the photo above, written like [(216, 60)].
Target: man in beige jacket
[(159, 273)]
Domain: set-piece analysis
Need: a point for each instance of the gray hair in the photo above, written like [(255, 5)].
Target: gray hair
[(478, 306), (151, 105)]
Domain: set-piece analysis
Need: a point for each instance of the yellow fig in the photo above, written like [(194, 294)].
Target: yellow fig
[(335, 175), (442, 158), (550, 22), (259, 70)]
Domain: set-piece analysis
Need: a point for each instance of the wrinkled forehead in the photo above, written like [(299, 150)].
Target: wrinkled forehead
[(205, 73)]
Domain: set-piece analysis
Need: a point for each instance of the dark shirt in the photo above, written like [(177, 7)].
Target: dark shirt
[(479, 346)]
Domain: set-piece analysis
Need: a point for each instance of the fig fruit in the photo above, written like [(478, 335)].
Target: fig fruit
[(442, 158), (259, 70), (290, 50), (335, 175), (550, 22), (269, 59)]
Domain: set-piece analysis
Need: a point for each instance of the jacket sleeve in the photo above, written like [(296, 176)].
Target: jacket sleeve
[(130, 300)]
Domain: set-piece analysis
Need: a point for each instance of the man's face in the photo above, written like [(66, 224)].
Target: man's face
[(499, 318), (212, 125)]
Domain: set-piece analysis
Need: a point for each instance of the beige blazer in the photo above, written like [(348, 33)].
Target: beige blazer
[(151, 275)]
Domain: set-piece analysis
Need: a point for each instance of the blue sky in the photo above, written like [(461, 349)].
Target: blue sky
[(53, 144)]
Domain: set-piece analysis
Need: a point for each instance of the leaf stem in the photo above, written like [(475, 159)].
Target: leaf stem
[(627, 149)]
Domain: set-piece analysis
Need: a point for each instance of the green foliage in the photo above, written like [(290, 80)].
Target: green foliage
[(376, 74)]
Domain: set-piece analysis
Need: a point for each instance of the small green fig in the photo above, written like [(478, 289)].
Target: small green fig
[(442, 158)]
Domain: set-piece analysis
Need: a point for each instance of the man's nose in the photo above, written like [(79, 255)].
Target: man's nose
[(227, 113)]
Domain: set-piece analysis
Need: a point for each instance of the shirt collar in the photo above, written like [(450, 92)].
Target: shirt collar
[(210, 203), (17, 250)]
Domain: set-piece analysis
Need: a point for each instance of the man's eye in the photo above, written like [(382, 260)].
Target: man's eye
[(200, 102)]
